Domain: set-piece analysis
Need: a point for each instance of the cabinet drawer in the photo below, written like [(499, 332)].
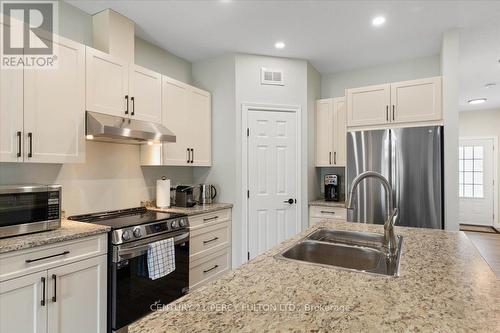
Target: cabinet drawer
[(212, 218), (206, 269), (208, 239), (338, 213), (18, 263)]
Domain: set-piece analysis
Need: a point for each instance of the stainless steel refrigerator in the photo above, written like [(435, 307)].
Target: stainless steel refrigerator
[(412, 160)]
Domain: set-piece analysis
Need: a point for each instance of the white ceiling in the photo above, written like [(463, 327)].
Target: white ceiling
[(333, 35), (479, 65)]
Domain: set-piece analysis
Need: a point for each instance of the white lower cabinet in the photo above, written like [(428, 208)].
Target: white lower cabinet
[(320, 213), (63, 298)]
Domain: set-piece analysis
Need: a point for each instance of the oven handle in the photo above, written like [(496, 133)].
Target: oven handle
[(135, 251)]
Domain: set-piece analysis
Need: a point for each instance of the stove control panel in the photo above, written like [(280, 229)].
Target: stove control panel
[(124, 235)]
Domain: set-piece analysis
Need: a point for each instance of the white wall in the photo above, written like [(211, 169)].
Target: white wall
[(450, 52), (111, 177), (334, 84), (313, 93), (481, 123)]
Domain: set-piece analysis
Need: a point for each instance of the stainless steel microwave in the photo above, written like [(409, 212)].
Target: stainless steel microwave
[(29, 208)]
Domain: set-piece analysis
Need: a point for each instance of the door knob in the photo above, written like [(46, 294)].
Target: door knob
[(289, 201)]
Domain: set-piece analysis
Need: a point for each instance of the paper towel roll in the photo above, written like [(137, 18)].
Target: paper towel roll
[(163, 193)]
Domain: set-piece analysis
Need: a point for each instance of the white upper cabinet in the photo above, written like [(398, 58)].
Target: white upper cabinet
[(324, 129), (416, 100), (11, 115), (106, 84), (330, 132), (175, 116), (407, 102), (54, 108), (368, 105), (201, 127), (145, 94), (23, 304)]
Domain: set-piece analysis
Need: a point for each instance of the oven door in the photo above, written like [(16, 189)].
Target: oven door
[(133, 293)]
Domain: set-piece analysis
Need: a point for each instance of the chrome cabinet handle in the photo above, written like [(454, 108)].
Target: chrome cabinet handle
[(19, 144), (210, 240), (126, 99), (54, 298), (42, 302), (133, 105), (211, 269), (30, 137), (28, 261)]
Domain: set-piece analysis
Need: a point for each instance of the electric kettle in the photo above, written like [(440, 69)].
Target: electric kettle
[(207, 194)]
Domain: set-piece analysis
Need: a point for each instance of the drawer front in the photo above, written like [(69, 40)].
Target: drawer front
[(209, 268), (338, 213), (210, 218), (208, 240), (18, 263)]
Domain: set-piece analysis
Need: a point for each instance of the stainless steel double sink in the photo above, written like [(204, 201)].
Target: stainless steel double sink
[(351, 250)]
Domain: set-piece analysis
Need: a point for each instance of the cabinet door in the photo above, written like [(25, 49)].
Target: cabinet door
[(11, 115), (106, 84), (77, 297), (175, 117), (54, 108), (340, 132), (21, 308), (368, 105), (416, 100), (145, 94), (324, 132), (200, 122)]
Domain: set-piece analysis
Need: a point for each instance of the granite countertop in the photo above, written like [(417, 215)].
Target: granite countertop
[(69, 230), (195, 210), (322, 202), (444, 286)]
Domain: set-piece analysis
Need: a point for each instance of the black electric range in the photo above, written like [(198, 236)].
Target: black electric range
[(131, 293)]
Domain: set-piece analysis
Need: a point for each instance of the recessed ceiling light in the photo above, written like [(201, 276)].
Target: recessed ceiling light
[(279, 45), (490, 85), (477, 101), (378, 21)]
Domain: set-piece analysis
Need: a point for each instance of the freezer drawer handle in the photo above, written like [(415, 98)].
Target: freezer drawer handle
[(28, 261), (210, 269)]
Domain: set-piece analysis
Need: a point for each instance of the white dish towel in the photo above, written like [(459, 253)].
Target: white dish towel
[(161, 258)]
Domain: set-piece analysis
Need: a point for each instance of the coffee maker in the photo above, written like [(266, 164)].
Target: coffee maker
[(332, 187)]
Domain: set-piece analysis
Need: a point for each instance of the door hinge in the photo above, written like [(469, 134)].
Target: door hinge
[(248, 131), (248, 193), (248, 255)]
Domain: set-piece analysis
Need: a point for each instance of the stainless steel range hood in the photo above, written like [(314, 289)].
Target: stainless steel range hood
[(102, 127)]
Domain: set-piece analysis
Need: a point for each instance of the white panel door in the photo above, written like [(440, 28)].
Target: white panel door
[(54, 108), (21, 308), (416, 100), (272, 179), (368, 106), (77, 297), (200, 115), (145, 94), (324, 132), (476, 181), (11, 115), (175, 116), (106, 84), (340, 132)]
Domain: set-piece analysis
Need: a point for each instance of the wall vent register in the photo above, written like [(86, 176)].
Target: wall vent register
[(271, 76)]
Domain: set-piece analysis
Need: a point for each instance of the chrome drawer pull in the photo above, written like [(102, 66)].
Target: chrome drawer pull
[(211, 269), (210, 240), (326, 212), (210, 218), (47, 257)]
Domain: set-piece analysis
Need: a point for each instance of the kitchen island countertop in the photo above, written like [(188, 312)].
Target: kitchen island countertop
[(444, 286)]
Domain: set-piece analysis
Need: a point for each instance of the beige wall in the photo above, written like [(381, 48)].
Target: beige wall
[(481, 123), (111, 177)]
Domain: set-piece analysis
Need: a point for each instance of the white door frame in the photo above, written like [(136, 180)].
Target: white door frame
[(495, 171), (245, 109)]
